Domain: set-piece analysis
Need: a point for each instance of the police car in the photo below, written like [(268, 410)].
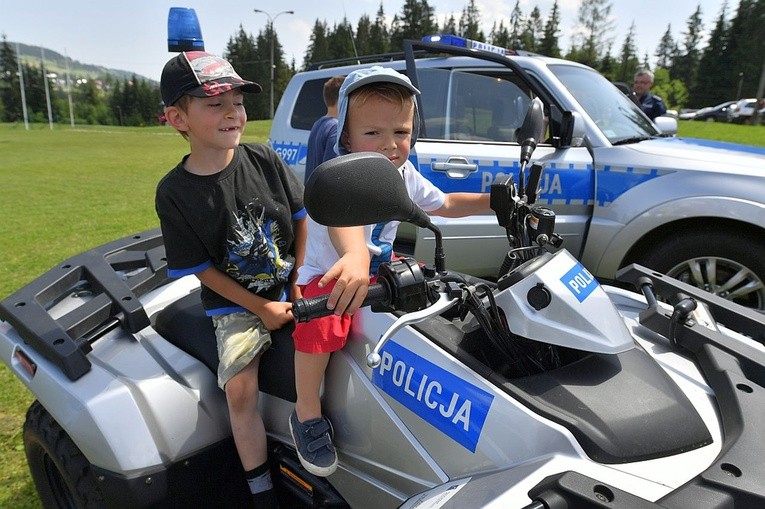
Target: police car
[(624, 189)]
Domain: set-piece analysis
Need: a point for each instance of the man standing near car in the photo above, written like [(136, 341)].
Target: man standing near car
[(652, 104), (321, 140)]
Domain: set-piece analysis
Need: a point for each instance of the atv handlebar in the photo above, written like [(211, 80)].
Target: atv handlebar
[(315, 307)]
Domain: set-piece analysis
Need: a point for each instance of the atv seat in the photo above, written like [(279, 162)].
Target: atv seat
[(185, 324)]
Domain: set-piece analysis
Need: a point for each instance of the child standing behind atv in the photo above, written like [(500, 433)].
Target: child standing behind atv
[(233, 216), (377, 113)]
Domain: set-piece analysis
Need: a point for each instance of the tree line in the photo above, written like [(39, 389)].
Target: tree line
[(690, 71)]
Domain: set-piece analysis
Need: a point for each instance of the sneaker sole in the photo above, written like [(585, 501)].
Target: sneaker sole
[(310, 467)]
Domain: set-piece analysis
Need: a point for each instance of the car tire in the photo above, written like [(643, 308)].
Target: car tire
[(61, 473), (719, 262)]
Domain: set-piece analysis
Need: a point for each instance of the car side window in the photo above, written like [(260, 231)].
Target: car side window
[(472, 105), (309, 105)]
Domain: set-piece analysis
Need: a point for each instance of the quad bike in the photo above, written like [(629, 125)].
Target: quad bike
[(542, 389)]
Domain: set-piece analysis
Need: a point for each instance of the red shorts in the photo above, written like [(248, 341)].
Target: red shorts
[(321, 335)]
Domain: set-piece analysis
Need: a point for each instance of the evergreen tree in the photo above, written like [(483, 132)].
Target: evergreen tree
[(318, 47), (379, 38), (470, 21), (251, 63), (686, 65), (595, 25), (532, 35), (91, 105), (115, 103), (282, 73), (363, 36), (747, 45), (34, 85), (549, 43), (340, 41), (608, 65), (499, 35), (10, 84), (516, 26), (417, 19), (450, 26), (628, 60), (666, 51), (713, 87)]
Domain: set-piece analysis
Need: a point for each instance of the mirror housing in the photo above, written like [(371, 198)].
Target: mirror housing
[(532, 130), (364, 188), (359, 189), (667, 125)]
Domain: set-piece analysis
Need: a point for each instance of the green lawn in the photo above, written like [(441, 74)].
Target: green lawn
[(65, 191), (70, 189)]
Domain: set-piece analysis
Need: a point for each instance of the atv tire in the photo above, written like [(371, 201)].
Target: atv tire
[(61, 473), (719, 262)]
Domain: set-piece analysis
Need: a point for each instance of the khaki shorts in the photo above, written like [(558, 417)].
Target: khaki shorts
[(241, 337)]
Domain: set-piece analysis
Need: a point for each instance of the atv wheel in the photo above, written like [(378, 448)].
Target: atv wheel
[(720, 263), (61, 473)]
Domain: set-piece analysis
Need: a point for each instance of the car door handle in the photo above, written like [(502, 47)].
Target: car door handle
[(456, 167)]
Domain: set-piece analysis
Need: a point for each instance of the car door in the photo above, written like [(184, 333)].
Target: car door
[(468, 140)]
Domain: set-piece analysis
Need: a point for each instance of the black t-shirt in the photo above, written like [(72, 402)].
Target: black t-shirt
[(239, 220)]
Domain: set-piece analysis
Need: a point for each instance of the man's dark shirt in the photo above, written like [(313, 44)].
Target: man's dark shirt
[(652, 105)]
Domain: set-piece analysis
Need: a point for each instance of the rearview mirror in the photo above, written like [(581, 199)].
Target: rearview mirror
[(359, 189)]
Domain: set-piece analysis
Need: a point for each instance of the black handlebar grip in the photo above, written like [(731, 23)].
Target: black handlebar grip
[(315, 307)]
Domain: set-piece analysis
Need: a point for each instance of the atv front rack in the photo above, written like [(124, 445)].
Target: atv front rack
[(113, 277)]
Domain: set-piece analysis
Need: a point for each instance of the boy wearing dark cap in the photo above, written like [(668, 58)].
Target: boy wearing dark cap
[(232, 215)]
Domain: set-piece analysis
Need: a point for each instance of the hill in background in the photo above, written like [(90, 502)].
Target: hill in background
[(57, 63)]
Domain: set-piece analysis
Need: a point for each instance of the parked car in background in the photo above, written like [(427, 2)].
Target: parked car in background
[(717, 113), (743, 110), (687, 114), (624, 189)]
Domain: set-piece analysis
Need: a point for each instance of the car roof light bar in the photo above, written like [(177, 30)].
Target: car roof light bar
[(462, 42)]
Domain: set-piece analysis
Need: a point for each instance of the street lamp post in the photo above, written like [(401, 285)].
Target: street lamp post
[(740, 84), (271, 20)]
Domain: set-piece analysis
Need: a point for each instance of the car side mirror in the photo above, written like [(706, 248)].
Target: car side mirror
[(667, 125)]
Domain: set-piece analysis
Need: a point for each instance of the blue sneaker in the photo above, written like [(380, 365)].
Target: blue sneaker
[(313, 441)]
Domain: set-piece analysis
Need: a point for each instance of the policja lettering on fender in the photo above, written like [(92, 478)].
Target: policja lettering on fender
[(428, 391), (454, 406)]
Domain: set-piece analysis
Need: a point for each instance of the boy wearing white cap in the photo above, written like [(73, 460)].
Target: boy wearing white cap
[(377, 112)]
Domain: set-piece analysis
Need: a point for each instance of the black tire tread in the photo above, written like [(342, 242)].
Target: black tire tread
[(44, 436)]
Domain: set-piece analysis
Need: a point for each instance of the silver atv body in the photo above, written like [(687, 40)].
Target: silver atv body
[(646, 404)]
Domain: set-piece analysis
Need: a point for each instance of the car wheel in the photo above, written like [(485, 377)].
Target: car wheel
[(61, 473), (720, 263), (710, 119)]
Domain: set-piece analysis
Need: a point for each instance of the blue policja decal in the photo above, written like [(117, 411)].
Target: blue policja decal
[(449, 403), (579, 281)]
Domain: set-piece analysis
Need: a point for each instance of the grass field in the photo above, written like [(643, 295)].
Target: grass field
[(69, 189)]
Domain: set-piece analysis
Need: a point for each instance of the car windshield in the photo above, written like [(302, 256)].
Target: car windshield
[(615, 114)]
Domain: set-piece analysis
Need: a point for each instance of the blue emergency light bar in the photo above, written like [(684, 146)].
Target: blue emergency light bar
[(462, 42), (183, 30)]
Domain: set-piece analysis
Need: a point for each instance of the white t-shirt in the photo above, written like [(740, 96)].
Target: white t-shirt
[(321, 255)]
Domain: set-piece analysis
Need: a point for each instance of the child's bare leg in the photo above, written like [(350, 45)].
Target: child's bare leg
[(309, 373), (246, 423)]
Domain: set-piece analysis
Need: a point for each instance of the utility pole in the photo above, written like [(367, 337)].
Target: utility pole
[(271, 20)]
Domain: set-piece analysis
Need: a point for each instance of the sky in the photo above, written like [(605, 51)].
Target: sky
[(132, 35)]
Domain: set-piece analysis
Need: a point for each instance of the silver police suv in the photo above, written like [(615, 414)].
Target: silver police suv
[(624, 189)]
